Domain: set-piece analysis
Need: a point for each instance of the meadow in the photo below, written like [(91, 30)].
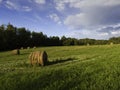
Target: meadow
[(69, 68)]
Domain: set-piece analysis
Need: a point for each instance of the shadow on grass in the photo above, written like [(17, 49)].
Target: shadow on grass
[(58, 61)]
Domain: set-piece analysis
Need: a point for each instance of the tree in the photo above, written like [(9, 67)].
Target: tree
[(63, 38), (38, 39), (23, 37), (54, 41), (2, 28), (10, 37), (115, 40), (68, 41)]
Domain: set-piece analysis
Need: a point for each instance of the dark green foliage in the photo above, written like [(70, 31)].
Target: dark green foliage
[(54, 41), (12, 37), (38, 39), (23, 37), (115, 40)]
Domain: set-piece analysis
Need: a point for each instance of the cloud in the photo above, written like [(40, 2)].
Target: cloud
[(91, 13), (11, 5), (86, 34), (55, 18), (101, 17), (115, 33), (17, 5), (61, 5), (111, 30), (94, 17), (76, 21), (1, 1), (40, 1), (89, 3), (26, 8)]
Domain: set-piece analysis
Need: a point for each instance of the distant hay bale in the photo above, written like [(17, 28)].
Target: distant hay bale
[(111, 43), (28, 47), (88, 44), (39, 58), (22, 48), (16, 52), (34, 47)]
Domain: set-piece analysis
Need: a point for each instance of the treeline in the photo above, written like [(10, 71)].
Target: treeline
[(12, 38)]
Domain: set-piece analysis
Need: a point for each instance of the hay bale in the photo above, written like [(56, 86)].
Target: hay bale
[(28, 47), (88, 44), (39, 58), (33, 58), (22, 48), (34, 47), (44, 58), (16, 52), (111, 43)]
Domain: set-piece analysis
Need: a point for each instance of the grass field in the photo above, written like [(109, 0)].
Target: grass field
[(70, 68)]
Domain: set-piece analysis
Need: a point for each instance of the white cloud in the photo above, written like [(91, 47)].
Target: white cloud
[(97, 11), (26, 8), (115, 32), (1, 1), (99, 18), (61, 4), (103, 34), (88, 34), (11, 5), (93, 13), (40, 1), (56, 18), (17, 6), (76, 21), (91, 3)]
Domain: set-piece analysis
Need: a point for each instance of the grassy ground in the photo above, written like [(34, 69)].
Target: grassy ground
[(71, 68)]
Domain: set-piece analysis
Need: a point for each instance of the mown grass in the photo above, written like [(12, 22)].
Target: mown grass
[(70, 68)]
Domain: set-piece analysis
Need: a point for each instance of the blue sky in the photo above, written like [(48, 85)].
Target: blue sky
[(99, 19)]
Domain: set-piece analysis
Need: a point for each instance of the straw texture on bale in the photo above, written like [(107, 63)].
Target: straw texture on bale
[(16, 52), (39, 58)]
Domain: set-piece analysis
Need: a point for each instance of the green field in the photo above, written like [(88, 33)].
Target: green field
[(70, 68)]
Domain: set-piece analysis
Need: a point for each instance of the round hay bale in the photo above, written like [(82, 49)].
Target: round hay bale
[(38, 57), (88, 44), (34, 47), (43, 58), (33, 58), (16, 52), (22, 48), (28, 47), (111, 43)]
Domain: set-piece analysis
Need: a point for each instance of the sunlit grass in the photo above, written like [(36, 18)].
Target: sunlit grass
[(69, 68)]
